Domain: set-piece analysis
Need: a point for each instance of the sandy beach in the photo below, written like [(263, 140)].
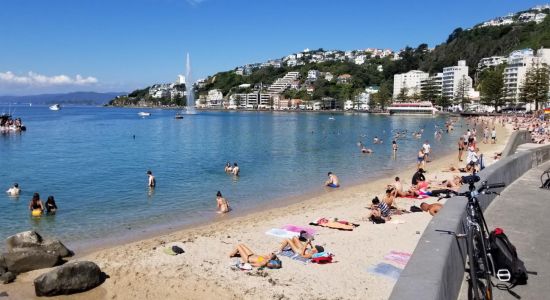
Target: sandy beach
[(142, 270)]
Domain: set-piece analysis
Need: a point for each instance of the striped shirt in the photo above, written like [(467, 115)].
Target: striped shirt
[(384, 209)]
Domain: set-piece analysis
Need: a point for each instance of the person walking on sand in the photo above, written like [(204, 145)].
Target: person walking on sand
[(152, 181), (223, 205), (427, 148), (493, 136), (332, 181), (461, 146), (420, 159)]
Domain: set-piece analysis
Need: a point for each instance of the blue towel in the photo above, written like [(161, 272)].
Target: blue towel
[(387, 270), (290, 254)]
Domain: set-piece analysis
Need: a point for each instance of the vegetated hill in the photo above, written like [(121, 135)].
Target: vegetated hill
[(479, 42), (470, 45), (81, 98)]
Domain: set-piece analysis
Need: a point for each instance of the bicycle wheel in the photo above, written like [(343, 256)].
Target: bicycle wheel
[(480, 277)]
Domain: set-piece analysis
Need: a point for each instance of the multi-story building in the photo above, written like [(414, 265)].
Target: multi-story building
[(491, 62), (214, 98), (452, 78), (434, 83), (180, 79), (515, 72), (408, 82), (312, 75), (281, 84), (252, 100)]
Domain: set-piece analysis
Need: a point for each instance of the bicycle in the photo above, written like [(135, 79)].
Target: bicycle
[(480, 262)]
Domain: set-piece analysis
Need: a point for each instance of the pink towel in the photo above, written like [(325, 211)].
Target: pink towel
[(401, 258), (295, 228)]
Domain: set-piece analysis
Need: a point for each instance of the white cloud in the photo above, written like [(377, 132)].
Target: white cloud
[(32, 79)]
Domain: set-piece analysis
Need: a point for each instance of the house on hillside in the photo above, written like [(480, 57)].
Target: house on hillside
[(344, 78)]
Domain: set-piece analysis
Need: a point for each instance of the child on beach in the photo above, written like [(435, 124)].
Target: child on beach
[(332, 181)]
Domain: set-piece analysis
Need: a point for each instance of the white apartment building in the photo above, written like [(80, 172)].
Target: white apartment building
[(519, 63), (329, 76), (251, 100), (452, 76), (281, 84), (409, 81), (214, 98), (312, 75), (180, 79), (491, 62), (359, 60)]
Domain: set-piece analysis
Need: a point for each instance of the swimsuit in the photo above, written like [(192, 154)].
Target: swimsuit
[(332, 185)]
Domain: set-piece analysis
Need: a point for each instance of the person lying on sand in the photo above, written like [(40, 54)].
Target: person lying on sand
[(334, 224), (380, 209), (305, 250), (453, 184), (433, 209), (469, 168), (248, 256)]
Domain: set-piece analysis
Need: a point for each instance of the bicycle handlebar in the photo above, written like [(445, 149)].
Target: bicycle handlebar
[(484, 187)]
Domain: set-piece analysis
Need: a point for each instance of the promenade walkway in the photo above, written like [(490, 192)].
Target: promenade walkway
[(523, 211)]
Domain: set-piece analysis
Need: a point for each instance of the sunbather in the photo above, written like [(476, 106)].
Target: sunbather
[(380, 210), (433, 209), (248, 256), (305, 250), (335, 224)]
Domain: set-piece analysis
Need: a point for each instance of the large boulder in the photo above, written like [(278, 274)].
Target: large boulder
[(70, 278), (7, 277), (25, 239), (25, 260), (33, 240)]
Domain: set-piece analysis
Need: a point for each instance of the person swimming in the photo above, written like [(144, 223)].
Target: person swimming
[(36, 203), (228, 168), (51, 207), (14, 190), (152, 181), (236, 170)]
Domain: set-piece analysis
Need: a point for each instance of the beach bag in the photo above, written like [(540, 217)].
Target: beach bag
[(322, 259), (505, 257)]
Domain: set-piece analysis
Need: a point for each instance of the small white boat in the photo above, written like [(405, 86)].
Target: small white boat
[(55, 107), (331, 118), (144, 114)]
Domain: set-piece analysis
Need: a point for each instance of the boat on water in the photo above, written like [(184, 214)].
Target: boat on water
[(144, 114), (412, 108), (55, 107), (178, 116)]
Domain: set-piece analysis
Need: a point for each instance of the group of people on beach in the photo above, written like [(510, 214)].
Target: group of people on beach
[(538, 124)]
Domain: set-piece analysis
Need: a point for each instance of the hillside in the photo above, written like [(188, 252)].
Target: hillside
[(374, 69), (472, 45), (81, 98)]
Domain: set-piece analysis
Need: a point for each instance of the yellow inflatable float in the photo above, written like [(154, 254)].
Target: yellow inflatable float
[(36, 212)]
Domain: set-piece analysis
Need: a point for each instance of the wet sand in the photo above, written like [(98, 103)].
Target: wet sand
[(141, 270)]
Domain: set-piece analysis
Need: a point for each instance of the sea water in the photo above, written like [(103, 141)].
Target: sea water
[(94, 160)]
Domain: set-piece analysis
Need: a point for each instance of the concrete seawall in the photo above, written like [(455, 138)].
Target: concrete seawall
[(436, 268)]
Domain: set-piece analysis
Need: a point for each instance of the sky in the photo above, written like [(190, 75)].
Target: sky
[(120, 45)]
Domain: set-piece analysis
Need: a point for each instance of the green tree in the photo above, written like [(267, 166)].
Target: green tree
[(430, 91), (403, 94), (443, 101), (383, 97), (491, 85), (536, 84), (461, 95)]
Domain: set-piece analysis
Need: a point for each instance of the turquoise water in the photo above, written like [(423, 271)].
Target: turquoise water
[(89, 160)]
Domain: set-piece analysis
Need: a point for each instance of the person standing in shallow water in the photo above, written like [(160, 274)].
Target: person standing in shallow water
[(152, 182), (51, 207), (236, 170)]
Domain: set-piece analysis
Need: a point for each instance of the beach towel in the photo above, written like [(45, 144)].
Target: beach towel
[(296, 257), (298, 229), (401, 258), (386, 270), (282, 233)]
